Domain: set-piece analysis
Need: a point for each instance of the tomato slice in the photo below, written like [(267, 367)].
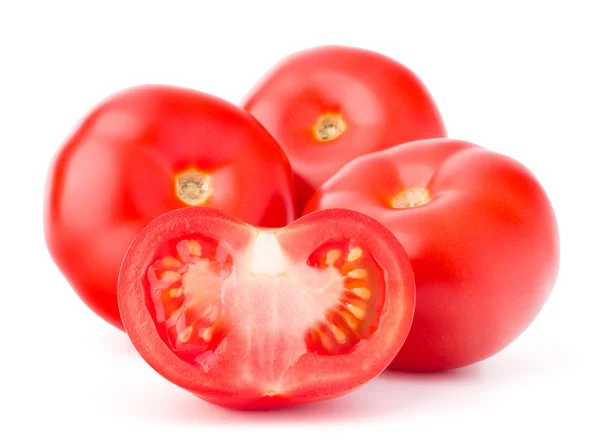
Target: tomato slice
[(261, 318)]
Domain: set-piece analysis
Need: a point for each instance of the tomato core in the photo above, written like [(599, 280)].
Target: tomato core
[(329, 127), (413, 197), (205, 297), (193, 187)]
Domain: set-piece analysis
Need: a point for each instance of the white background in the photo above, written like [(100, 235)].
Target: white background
[(519, 78)]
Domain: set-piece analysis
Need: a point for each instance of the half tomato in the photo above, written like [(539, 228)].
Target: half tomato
[(260, 318)]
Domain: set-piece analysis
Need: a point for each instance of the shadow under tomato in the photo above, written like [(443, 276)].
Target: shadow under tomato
[(391, 394), (112, 342)]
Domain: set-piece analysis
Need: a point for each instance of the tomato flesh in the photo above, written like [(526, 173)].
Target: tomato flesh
[(245, 313)]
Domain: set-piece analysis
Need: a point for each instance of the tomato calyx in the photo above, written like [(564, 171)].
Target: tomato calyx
[(193, 187), (411, 197), (329, 127)]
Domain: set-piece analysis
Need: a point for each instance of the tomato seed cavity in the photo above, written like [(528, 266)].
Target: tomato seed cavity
[(184, 288), (354, 318), (413, 197)]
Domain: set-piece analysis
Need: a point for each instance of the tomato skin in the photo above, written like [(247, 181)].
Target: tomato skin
[(485, 250), (313, 377), (381, 102), (115, 174)]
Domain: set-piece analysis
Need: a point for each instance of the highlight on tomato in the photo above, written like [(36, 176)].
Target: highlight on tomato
[(481, 236), (330, 104), (248, 317), (146, 151)]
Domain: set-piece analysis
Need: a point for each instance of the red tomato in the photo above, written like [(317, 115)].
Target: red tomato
[(328, 105), (480, 233), (146, 151), (250, 318)]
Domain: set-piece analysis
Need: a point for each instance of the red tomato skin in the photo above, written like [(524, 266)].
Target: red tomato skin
[(484, 251), (314, 377), (381, 101), (115, 174)]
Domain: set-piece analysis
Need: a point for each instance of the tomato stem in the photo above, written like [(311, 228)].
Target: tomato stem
[(413, 197), (193, 187), (329, 127)]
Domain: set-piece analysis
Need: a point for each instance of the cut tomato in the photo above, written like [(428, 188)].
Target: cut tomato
[(261, 318)]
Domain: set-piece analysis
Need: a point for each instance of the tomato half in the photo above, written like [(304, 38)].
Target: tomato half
[(328, 105), (481, 235), (146, 151), (251, 318)]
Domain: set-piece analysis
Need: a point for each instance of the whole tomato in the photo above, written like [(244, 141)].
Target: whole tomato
[(481, 235), (328, 105), (144, 152)]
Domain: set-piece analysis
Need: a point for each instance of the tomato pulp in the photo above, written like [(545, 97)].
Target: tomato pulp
[(253, 318), (328, 105), (481, 235), (146, 151)]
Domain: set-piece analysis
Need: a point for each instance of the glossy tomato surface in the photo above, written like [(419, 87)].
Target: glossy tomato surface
[(144, 152), (481, 235), (328, 105), (250, 318)]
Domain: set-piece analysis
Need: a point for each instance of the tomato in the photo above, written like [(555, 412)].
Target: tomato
[(251, 318), (146, 151), (481, 235), (328, 105)]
